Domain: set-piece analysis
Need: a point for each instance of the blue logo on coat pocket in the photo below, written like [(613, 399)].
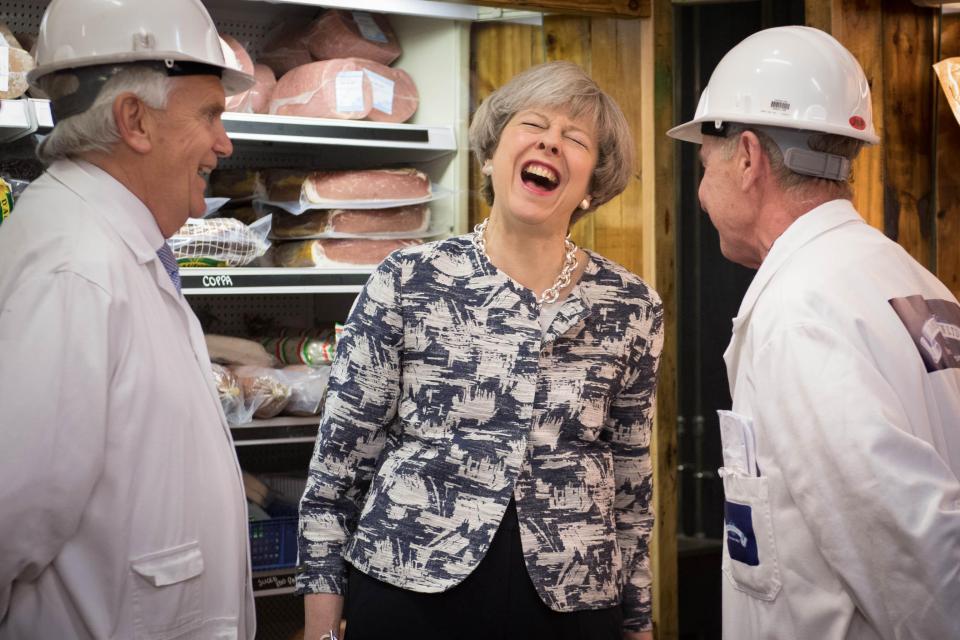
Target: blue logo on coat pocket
[(738, 529)]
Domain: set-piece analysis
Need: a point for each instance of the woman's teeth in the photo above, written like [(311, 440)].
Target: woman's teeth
[(540, 175)]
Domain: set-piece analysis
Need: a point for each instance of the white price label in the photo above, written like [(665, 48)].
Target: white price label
[(368, 27), (382, 92), (349, 89), (4, 68)]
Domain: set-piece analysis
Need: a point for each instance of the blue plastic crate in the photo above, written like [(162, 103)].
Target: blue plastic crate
[(273, 543)]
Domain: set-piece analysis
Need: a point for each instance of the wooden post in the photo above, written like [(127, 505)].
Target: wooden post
[(858, 25), (908, 90), (947, 145), (658, 170)]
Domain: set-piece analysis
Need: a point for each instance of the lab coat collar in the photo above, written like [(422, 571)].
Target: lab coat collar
[(810, 225), (805, 229), (116, 204)]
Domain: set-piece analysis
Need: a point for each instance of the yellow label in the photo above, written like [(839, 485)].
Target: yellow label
[(200, 262), (6, 200)]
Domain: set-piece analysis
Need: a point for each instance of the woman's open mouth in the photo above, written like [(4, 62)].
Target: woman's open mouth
[(539, 176)]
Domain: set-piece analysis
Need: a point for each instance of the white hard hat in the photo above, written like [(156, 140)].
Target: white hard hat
[(178, 34), (786, 77)]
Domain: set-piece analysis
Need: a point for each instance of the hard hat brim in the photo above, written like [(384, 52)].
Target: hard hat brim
[(234, 81), (690, 131)]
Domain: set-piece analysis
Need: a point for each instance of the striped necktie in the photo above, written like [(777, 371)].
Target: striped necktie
[(170, 264)]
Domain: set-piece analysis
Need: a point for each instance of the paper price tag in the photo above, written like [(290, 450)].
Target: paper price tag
[(382, 92), (368, 27), (349, 88), (4, 68)]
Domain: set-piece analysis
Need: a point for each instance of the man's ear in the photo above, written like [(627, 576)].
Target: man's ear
[(751, 161), (133, 122)]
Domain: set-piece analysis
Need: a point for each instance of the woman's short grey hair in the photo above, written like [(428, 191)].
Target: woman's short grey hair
[(559, 85), (796, 183), (95, 128)]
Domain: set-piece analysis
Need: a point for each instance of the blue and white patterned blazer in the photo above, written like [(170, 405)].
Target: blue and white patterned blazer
[(446, 398)]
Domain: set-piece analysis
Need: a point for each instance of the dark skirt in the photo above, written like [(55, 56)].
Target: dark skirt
[(496, 602)]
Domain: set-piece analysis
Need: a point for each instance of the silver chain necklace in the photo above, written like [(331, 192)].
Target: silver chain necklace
[(551, 295)]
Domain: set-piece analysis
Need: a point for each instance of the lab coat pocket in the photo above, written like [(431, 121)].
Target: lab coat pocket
[(749, 550), (166, 592)]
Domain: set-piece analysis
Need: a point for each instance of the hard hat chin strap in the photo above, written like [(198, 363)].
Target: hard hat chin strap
[(78, 88), (800, 158)]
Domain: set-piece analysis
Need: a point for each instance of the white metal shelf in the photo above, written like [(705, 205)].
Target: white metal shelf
[(19, 118), (274, 280), (356, 142), (282, 430), (417, 8), (281, 421), (409, 142)]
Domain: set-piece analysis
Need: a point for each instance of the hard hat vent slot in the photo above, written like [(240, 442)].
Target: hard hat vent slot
[(144, 42)]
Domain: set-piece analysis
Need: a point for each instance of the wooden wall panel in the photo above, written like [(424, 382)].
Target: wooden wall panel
[(948, 174), (498, 51), (619, 8), (894, 42), (907, 108), (569, 38)]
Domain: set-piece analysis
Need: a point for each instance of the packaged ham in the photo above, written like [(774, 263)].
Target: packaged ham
[(236, 184), (286, 48), (265, 390), (366, 184), (409, 219), (283, 184), (238, 58), (336, 252), (262, 89), (353, 34), (346, 88), (15, 63)]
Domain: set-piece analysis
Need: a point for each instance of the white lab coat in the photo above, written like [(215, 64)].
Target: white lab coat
[(856, 509), (122, 504)]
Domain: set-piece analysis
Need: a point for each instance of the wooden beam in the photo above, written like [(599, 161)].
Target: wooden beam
[(618, 225), (610, 8), (947, 177), (907, 106), (658, 172), (569, 38), (858, 25), (498, 51)]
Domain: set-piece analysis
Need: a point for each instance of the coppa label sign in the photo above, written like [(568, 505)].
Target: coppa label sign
[(217, 281)]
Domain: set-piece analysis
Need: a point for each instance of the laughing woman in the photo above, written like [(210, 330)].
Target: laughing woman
[(483, 468)]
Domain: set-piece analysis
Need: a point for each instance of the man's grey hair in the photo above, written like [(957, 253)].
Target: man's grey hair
[(564, 86), (799, 185), (95, 128)]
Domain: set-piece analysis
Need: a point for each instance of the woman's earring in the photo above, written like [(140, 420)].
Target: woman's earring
[(487, 169), (585, 203)]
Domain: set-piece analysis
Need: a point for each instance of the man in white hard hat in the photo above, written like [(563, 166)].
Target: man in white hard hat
[(123, 512), (842, 449)]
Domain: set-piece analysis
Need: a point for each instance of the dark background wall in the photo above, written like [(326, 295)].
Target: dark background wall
[(709, 292)]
